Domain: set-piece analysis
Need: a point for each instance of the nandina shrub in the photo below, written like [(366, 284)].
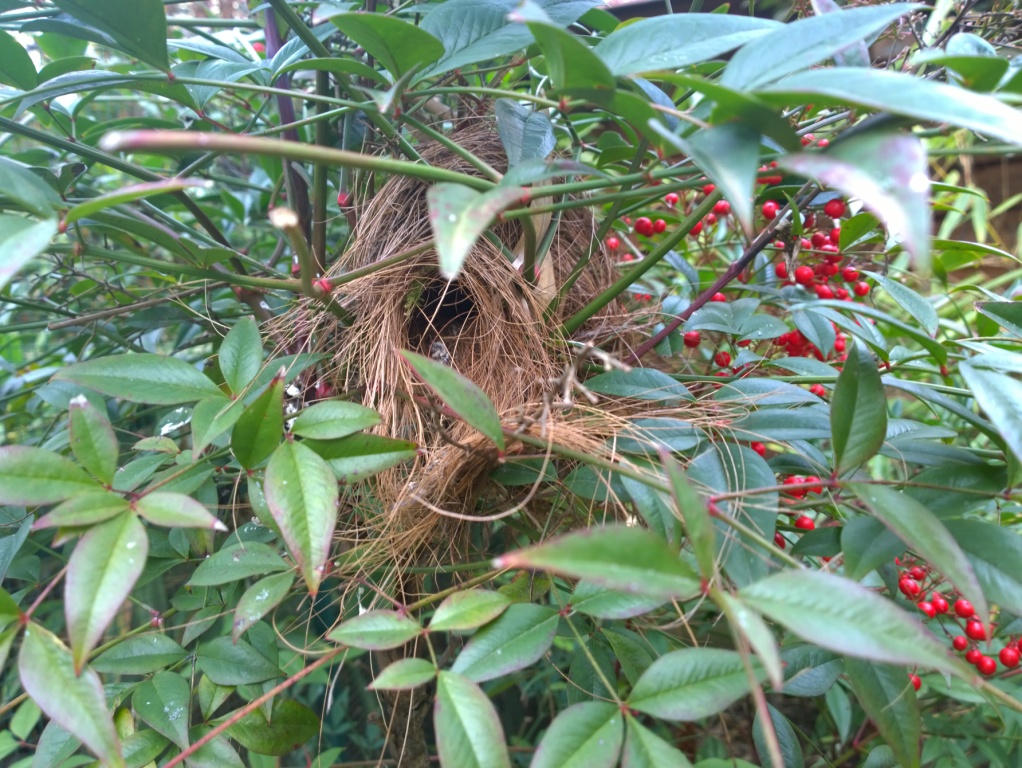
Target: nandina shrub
[(489, 385)]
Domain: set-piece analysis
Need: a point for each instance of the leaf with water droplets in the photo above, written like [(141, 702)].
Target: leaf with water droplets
[(259, 599), (163, 703)]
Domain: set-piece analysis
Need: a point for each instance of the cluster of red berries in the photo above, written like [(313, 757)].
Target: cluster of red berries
[(806, 485)]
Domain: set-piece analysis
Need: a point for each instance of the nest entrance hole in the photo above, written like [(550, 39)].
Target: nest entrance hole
[(442, 310)]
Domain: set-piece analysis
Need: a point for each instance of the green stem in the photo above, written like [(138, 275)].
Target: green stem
[(319, 179)]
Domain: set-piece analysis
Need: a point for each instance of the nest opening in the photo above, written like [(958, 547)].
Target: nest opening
[(442, 310)]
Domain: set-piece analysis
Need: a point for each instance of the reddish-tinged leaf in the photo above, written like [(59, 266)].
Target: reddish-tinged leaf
[(93, 440), (586, 735), (376, 631), (32, 476), (175, 510), (259, 599), (83, 510), (468, 610), (403, 675)]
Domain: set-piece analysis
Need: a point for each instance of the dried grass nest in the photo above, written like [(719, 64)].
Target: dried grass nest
[(489, 321)]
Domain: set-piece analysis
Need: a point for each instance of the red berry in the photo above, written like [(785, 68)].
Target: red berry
[(860, 289), (908, 587), (960, 643), (628, 257), (842, 294), (964, 609), (823, 143), (917, 573), (779, 540), (818, 389), (975, 629), (644, 226), (723, 359), (818, 488), (1009, 657), (671, 199), (770, 209), (719, 297), (613, 243), (808, 139), (835, 209), (819, 239), (708, 188), (805, 523), (758, 448), (722, 208), (986, 665), (710, 219), (659, 226), (973, 655), (343, 199), (850, 274), (781, 270), (916, 682), (939, 603), (323, 285), (835, 236), (804, 275), (824, 292), (696, 229), (927, 608), (692, 339)]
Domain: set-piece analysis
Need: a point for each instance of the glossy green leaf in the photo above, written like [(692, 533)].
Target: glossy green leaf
[(137, 27), (791, 750), (139, 655), (468, 609), (142, 378), (130, 194), (806, 42), (468, 729), (925, 534), (1005, 313), (867, 544), (143, 747), (31, 194), (175, 510), (164, 704), (9, 610), (1000, 396), (639, 384), (696, 517), (102, 571), (398, 45), (619, 557), (229, 662), (644, 749), (525, 133), (32, 476), (887, 171), (404, 675), (586, 735), (459, 215), (840, 615), (240, 561), (377, 630), (21, 240), (212, 418), (16, 67), (917, 306), (459, 394), (886, 695), (858, 411), (594, 600), (810, 671), (289, 725), (334, 419), (515, 640), (258, 431), (258, 600), (357, 457), (74, 700), (572, 65), (900, 94), (996, 557), (691, 684), (673, 42), (92, 439), (302, 494), (241, 354)]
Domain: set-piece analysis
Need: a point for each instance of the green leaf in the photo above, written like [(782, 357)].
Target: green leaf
[(620, 557), (886, 695), (644, 749), (16, 67), (632, 652), (250, 558), (594, 600), (143, 747), (130, 194), (900, 94), (357, 457), (572, 65), (468, 730), (525, 133), (32, 476), (924, 533), (211, 418), (404, 675), (396, 44), (376, 630), (92, 439), (175, 510), (137, 27), (139, 655), (747, 623), (164, 704), (639, 384), (691, 684), (468, 609), (228, 662), (917, 306), (21, 240), (692, 510), (102, 570), (515, 640), (867, 544), (459, 215), (289, 725), (29, 191), (301, 492), (333, 419), (888, 172), (259, 429), (142, 378), (73, 700), (858, 411), (586, 735), (1007, 314), (217, 753), (9, 610), (810, 671), (806, 42), (241, 354), (996, 557), (840, 615), (673, 42), (1001, 397), (459, 394), (791, 750), (258, 600)]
